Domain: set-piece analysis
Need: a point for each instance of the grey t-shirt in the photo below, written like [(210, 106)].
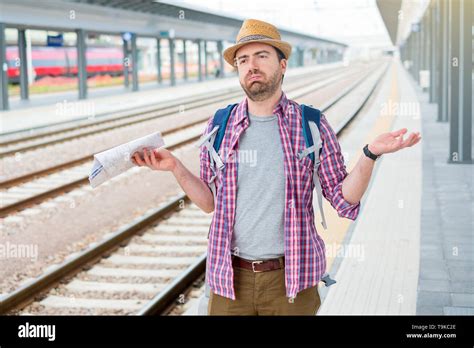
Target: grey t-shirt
[(259, 217)]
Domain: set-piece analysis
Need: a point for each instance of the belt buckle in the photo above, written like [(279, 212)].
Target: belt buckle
[(253, 265)]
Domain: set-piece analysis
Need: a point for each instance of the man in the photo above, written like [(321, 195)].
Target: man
[(265, 256)]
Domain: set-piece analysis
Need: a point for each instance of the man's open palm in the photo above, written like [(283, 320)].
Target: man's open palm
[(393, 141)]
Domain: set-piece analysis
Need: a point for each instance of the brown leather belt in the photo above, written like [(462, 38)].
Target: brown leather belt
[(258, 265)]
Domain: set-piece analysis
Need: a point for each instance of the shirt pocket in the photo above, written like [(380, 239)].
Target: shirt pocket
[(306, 171), (305, 163)]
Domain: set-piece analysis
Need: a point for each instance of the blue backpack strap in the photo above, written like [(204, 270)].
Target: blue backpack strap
[(311, 122), (220, 119), (310, 114)]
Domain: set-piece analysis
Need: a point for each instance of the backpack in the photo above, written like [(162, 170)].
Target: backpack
[(311, 122)]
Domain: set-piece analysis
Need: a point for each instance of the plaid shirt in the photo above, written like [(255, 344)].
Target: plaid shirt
[(305, 260)]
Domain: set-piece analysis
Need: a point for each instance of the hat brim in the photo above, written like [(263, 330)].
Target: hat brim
[(229, 53)]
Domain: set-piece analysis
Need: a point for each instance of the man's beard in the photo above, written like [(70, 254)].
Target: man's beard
[(260, 90)]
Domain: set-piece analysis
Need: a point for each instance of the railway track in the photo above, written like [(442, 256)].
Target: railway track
[(148, 266), (172, 240), (34, 188)]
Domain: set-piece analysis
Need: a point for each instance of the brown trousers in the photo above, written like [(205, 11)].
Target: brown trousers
[(263, 293)]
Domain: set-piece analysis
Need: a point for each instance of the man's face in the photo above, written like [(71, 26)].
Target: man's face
[(260, 71)]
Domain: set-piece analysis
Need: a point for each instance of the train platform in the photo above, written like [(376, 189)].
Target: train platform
[(65, 108), (445, 282), (410, 251)]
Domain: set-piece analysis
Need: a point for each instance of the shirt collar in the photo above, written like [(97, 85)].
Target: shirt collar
[(279, 109)]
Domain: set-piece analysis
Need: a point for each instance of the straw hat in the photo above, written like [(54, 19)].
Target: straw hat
[(253, 30)]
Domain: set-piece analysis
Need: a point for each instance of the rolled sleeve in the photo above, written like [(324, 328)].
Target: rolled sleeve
[(205, 173), (332, 172)]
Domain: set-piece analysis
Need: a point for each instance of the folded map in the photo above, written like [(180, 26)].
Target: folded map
[(117, 160)]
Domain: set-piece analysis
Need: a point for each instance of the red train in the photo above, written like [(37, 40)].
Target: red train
[(62, 61)]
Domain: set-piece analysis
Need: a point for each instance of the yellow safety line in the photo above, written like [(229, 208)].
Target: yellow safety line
[(337, 226)]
